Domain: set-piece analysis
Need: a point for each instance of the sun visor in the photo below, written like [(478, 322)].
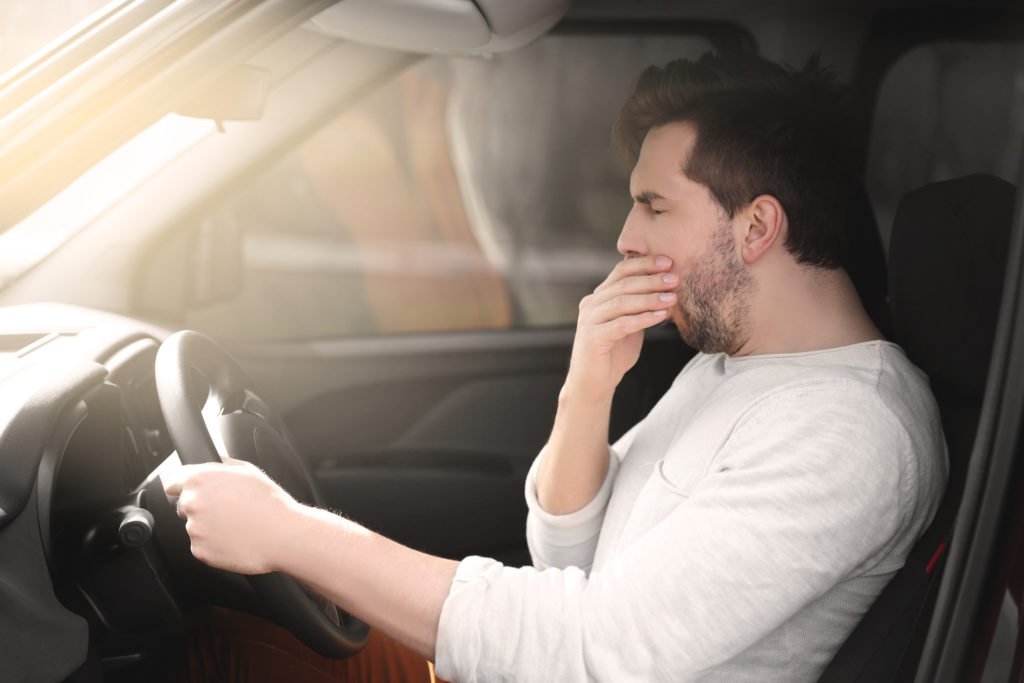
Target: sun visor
[(447, 26)]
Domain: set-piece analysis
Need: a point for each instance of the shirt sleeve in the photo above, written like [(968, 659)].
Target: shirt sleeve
[(803, 493), (570, 540)]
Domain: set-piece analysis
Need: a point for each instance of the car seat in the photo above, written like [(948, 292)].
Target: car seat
[(947, 259)]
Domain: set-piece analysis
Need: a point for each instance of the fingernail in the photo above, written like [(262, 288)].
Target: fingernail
[(662, 261), (666, 296), (669, 278)]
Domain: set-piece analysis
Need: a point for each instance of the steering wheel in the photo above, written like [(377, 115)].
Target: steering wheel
[(205, 396)]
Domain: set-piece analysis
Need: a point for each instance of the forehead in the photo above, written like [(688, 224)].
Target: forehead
[(662, 156)]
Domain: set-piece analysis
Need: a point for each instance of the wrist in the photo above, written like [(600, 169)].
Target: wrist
[(289, 530), (574, 393)]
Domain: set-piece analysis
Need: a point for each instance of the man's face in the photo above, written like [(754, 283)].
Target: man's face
[(674, 216)]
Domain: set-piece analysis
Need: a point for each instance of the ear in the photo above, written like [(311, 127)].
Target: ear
[(765, 224)]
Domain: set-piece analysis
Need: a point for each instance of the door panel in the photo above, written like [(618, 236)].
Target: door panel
[(427, 439)]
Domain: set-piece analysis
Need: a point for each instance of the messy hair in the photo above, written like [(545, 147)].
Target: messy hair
[(762, 128)]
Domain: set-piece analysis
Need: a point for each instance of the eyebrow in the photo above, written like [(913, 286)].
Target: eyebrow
[(646, 197)]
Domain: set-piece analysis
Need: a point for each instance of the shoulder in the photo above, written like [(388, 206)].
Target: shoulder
[(878, 404), (864, 383), (867, 417), (822, 408)]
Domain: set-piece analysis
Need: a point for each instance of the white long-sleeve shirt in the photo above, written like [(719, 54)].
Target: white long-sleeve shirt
[(743, 528)]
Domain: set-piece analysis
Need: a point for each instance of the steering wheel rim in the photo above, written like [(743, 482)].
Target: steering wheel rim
[(185, 362)]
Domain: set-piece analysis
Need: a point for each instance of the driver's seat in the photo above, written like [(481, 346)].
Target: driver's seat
[(947, 259)]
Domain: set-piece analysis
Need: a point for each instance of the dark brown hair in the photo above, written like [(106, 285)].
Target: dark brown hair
[(762, 128)]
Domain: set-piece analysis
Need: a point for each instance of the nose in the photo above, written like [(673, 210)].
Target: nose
[(631, 242)]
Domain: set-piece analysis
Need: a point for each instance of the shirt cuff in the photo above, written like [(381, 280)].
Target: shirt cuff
[(458, 647), (576, 526)]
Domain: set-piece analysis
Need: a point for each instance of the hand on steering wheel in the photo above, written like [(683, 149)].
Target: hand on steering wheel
[(204, 395), (235, 515)]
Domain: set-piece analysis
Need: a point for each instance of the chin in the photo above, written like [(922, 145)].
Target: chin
[(682, 328)]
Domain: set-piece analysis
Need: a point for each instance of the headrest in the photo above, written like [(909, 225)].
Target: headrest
[(947, 259)]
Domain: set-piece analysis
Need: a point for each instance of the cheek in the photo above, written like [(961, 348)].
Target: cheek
[(683, 270), (683, 252)]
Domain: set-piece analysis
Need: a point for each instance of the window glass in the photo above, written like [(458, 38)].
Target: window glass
[(44, 230), (945, 110), (466, 194), (28, 26)]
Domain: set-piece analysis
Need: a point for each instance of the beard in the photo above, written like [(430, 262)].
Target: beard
[(713, 305)]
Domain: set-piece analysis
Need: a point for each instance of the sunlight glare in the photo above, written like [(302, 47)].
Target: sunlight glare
[(95, 191)]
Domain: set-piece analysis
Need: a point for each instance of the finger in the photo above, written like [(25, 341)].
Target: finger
[(629, 304), (636, 284), (172, 485), (622, 327), (185, 504), (639, 265)]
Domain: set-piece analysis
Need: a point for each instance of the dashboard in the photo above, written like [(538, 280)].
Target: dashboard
[(96, 568), (82, 441)]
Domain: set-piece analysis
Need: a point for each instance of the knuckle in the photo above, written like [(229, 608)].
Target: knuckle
[(614, 306)]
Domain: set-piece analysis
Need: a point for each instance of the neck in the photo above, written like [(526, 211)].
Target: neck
[(806, 309)]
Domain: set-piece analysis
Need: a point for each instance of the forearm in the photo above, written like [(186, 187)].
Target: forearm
[(574, 462), (391, 587), (635, 296)]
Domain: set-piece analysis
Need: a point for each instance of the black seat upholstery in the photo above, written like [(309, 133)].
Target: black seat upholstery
[(864, 260), (947, 260), (948, 256)]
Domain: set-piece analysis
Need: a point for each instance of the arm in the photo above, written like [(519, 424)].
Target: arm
[(238, 519), (569, 485), (390, 586), (571, 540), (609, 333)]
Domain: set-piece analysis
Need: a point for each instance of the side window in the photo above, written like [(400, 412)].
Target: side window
[(466, 194), (945, 110)]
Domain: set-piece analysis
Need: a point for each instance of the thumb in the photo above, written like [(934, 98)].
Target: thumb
[(172, 485)]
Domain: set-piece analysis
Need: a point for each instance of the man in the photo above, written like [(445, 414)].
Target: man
[(741, 529)]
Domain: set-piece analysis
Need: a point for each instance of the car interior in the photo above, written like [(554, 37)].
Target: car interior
[(378, 219)]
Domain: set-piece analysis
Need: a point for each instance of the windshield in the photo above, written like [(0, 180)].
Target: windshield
[(40, 44), (95, 191), (29, 26)]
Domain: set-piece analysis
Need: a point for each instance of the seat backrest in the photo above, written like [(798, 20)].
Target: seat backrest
[(947, 259)]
